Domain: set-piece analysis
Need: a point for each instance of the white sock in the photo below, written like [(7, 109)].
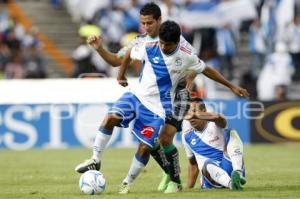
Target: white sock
[(135, 168), (218, 175), (235, 150), (100, 143)]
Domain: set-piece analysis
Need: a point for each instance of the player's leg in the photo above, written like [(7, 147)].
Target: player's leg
[(214, 176), (120, 115), (234, 150), (166, 139), (172, 126), (146, 129), (159, 156), (138, 163), (100, 142)]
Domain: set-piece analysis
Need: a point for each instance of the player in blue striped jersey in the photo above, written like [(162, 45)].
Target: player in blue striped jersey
[(212, 149), (151, 24), (167, 155), (165, 62)]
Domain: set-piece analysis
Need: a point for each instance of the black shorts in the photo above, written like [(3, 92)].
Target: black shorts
[(174, 122)]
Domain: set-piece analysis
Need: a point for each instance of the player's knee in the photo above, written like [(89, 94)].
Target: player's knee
[(165, 139), (166, 136), (143, 150), (234, 134), (111, 120), (204, 171)]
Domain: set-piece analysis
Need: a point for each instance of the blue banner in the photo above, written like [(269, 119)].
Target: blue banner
[(75, 125)]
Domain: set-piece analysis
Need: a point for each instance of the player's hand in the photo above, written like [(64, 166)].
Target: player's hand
[(95, 41), (122, 80), (189, 86), (240, 91)]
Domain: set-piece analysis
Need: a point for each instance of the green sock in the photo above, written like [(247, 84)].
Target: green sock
[(158, 154)]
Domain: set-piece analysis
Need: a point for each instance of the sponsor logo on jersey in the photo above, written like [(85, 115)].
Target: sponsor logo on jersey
[(193, 142), (147, 131), (155, 60)]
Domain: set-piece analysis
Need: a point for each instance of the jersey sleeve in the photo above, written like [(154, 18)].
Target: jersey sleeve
[(185, 127), (195, 64), (138, 51), (122, 52)]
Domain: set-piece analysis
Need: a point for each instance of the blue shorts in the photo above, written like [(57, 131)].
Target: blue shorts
[(225, 164), (147, 124)]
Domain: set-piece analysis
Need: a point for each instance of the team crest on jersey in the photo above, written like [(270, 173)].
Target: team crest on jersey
[(147, 131), (178, 61)]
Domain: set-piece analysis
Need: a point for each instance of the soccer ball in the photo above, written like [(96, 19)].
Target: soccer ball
[(92, 182)]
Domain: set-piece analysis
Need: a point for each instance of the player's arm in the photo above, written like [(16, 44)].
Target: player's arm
[(195, 115), (190, 80), (199, 66), (217, 118), (216, 76), (111, 58), (123, 68), (193, 172)]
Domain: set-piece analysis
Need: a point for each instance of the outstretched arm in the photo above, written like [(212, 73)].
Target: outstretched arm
[(215, 75), (217, 118), (111, 58), (196, 115), (122, 70), (193, 172)]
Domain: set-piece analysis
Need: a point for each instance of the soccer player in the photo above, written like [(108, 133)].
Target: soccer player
[(212, 149), (167, 157), (151, 20), (165, 62), (149, 102)]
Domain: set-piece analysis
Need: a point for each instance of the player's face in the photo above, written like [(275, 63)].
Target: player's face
[(167, 47), (150, 25), (194, 116)]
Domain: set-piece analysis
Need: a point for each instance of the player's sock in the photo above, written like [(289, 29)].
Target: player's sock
[(159, 156), (173, 159), (219, 175), (235, 151), (101, 140), (137, 165)]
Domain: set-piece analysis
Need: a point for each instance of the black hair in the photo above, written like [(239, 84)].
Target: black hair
[(169, 31), (151, 9), (198, 100)]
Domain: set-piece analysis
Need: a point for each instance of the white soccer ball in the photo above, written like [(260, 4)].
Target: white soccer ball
[(92, 182)]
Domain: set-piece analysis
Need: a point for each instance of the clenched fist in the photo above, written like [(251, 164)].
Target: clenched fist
[(95, 41)]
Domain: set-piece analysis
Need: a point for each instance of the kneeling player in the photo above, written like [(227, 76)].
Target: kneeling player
[(215, 151)]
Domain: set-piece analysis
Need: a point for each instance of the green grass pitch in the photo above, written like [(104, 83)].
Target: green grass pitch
[(273, 171)]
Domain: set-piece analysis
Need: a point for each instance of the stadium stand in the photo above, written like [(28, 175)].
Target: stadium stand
[(59, 33)]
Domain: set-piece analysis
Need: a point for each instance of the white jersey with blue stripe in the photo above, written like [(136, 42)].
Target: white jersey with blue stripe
[(206, 144), (161, 73)]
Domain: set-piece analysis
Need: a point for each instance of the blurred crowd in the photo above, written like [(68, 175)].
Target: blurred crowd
[(273, 36), (216, 28), (20, 50)]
